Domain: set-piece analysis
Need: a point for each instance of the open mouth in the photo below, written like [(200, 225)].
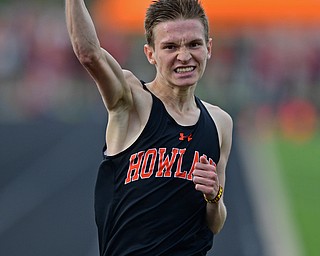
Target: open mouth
[(184, 70)]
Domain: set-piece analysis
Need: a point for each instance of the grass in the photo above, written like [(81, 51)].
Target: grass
[(299, 162)]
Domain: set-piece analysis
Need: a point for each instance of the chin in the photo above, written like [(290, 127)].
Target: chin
[(186, 82)]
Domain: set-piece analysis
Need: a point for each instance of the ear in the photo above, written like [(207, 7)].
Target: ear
[(149, 52), (209, 48)]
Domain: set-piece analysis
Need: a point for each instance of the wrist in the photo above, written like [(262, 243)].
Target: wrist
[(216, 199)]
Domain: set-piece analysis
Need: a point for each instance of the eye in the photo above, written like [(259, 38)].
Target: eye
[(169, 47), (195, 44)]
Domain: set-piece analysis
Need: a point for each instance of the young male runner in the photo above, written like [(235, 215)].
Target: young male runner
[(159, 190)]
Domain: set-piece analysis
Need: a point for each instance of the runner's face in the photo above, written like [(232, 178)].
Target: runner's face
[(180, 52)]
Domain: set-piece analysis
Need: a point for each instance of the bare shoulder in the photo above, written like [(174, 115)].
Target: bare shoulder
[(224, 126), (129, 76), (142, 99), (133, 82), (220, 116), (127, 122), (135, 85)]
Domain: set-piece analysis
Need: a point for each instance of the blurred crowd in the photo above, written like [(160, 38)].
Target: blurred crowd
[(257, 74), (39, 75)]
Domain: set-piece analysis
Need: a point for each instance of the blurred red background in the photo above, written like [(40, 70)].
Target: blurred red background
[(129, 17)]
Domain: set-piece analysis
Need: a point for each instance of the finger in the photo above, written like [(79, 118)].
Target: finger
[(210, 182), (205, 189), (204, 160), (209, 173), (204, 169)]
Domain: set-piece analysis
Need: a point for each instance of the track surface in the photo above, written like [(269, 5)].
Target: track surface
[(47, 176)]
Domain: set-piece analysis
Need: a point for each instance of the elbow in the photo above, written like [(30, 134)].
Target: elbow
[(217, 223), (216, 226), (86, 60), (87, 56), (216, 229)]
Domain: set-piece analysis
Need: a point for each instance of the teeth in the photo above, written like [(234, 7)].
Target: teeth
[(182, 70)]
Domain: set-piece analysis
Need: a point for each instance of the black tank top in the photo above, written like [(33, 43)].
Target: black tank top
[(145, 199)]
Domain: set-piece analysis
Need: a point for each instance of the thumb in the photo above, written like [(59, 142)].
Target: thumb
[(204, 160)]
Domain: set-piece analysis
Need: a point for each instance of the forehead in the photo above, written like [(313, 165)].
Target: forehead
[(177, 30)]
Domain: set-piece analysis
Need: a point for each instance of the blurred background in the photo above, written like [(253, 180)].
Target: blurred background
[(265, 71)]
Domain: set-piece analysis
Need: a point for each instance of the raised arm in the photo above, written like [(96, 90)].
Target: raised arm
[(104, 69)]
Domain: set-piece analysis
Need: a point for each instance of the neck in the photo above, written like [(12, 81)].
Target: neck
[(179, 99)]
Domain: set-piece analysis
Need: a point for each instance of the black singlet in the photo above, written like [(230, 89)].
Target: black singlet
[(145, 200)]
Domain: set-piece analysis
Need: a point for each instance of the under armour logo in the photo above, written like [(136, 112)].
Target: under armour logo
[(185, 137)]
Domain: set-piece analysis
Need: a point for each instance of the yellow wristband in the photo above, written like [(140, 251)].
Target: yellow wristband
[(216, 199)]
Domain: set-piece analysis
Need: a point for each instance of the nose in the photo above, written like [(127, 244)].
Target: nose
[(184, 55)]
